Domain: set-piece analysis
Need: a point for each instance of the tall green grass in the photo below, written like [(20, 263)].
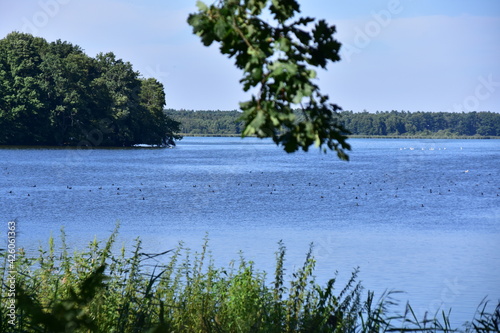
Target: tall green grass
[(104, 290)]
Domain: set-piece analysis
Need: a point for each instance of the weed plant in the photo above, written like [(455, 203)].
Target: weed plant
[(100, 290)]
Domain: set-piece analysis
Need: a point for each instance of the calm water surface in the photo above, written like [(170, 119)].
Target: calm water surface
[(422, 216)]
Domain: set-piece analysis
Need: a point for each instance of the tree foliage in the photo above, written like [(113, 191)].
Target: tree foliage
[(443, 124), (207, 122), (54, 94), (387, 123), (277, 62)]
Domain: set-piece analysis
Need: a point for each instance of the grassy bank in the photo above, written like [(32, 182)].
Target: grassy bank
[(101, 289)]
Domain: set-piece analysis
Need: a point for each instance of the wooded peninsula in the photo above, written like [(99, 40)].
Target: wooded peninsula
[(380, 124), (54, 94)]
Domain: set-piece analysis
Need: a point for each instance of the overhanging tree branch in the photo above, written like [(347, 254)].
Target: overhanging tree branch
[(269, 56)]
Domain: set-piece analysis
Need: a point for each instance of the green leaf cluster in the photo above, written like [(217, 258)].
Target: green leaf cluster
[(54, 94), (278, 65)]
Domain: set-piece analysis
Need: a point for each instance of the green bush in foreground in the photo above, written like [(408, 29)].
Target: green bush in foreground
[(98, 290)]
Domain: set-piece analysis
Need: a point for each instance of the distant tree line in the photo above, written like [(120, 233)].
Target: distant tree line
[(445, 124), (207, 122), (388, 123), (54, 94)]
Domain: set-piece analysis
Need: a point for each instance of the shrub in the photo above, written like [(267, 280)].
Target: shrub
[(100, 290)]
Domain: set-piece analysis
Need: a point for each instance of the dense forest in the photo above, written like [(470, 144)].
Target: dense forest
[(207, 122), (54, 94), (389, 123)]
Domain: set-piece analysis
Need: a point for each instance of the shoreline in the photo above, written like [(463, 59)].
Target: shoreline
[(474, 137), (394, 137)]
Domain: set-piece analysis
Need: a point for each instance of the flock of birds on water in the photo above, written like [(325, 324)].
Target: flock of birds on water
[(354, 191), (361, 190)]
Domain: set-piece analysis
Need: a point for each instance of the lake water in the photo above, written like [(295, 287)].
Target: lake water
[(421, 216)]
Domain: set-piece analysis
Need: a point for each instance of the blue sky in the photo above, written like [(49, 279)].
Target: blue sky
[(414, 55)]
